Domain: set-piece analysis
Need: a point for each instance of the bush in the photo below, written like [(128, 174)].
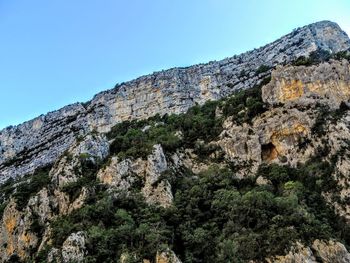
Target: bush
[(212, 211), (121, 222), (132, 139), (30, 186), (245, 104), (87, 177), (262, 69), (314, 58), (342, 55)]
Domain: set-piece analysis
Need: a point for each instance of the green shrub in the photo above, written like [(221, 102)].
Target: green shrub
[(171, 131), (314, 58), (262, 69), (120, 222), (245, 105), (87, 176), (212, 211), (31, 185), (342, 55)]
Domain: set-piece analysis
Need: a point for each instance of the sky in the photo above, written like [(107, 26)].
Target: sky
[(57, 52)]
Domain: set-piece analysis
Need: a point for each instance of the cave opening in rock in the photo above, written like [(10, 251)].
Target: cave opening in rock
[(268, 152)]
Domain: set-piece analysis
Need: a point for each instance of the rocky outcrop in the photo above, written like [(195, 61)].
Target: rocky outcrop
[(295, 95), (67, 169), (33, 144), (19, 228), (73, 248), (40, 141), (274, 136), (122, 175), (320, 251), (16, 236), (282, 132), (328, 83), (167, 256)]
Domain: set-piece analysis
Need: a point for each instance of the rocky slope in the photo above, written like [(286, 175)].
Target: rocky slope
[(40, 141), (258, 176)]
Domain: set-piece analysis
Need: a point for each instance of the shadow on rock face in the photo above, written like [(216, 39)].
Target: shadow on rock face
[(268, 152)]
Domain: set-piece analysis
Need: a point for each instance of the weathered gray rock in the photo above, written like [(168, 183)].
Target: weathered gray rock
[(122, 174), (167, 256), (274, 136), (73, 248), (298, 254), (322, 251), (91, 147), (35, 143)]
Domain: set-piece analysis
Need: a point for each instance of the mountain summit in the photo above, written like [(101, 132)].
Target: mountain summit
[(246, 159)]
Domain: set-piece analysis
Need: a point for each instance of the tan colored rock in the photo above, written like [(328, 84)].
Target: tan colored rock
[(331, 251), (15, 234), (42, 140), (322, 251), (328, 82), (298, 254), (68, 168), (167, 256), (65, 205), (155, 190), (42, 204), (122, 174), (273, 137)]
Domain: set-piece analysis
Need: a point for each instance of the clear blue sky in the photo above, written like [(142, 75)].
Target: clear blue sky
[(56, 52)]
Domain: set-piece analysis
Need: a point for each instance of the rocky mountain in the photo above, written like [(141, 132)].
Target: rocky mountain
[(41, 141), (241, 160)]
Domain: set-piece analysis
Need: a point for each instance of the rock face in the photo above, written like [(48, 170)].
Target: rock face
[(121, 175), (92, 147), (329, 82), (293, 95), (283, 131), (321, 251), (16, 228), (167, 256), (73, 249), (40, 141), (16, 236), (273, 137)]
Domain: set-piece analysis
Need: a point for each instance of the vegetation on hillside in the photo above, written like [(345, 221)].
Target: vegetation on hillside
[(200, 123), (22, 189), (215, 217)]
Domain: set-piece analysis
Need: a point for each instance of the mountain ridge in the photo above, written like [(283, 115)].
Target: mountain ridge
[(175, 90), (170, 69), (254, 168)]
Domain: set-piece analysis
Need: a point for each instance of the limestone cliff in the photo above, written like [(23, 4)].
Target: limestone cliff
[(108, 184), (305, 85), (33, 144)]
